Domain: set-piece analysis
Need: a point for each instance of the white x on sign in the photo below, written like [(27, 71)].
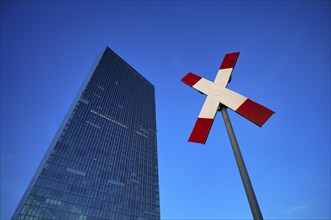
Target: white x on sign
[(217, 94)]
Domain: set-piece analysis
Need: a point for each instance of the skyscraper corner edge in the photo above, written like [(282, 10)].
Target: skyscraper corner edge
[(106, 112)]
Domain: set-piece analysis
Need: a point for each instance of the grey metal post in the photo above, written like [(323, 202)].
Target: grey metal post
[(257, 215)]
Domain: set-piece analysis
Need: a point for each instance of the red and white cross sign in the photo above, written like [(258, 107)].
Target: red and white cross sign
[(217, 94)]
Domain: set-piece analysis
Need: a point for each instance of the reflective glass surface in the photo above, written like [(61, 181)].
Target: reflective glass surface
[(104, 163)]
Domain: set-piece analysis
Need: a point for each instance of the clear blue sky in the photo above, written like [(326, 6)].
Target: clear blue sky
[(47, 49)]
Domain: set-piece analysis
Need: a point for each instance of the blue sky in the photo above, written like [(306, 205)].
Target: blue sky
[(48, 47)]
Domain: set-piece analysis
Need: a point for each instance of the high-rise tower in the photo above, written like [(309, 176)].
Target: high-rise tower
[(102, 162)]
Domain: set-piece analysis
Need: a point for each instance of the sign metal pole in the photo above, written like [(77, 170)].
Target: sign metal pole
[(220, 98), (257, 215)]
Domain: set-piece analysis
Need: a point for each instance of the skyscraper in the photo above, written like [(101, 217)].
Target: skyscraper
[(102, 162)]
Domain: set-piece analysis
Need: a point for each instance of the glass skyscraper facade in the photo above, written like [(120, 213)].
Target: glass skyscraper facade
[(102, 163)]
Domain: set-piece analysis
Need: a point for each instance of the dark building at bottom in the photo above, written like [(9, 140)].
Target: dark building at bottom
[(102, 162)]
